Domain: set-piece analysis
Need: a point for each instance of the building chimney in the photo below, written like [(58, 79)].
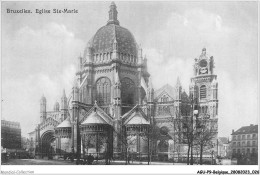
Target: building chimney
[(233, 131), (251, 125)]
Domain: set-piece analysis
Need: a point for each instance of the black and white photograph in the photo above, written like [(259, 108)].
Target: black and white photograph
[(115, 87)]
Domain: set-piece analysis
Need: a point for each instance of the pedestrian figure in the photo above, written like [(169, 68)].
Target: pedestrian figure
[(85, 160), (128, 158), (88, 159), (91, 159)]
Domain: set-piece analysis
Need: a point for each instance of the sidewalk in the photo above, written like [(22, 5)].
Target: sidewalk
[(122, 162), (68, 162)]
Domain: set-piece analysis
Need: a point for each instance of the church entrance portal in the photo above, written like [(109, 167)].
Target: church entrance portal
[(48, 144)]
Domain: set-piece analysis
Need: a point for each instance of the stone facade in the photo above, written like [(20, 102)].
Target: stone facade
[(11, 135), (224, 149), (245, 141), (113, 107)]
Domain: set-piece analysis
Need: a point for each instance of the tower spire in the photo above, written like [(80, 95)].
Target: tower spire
[(112, 14), (178, 82), (43, 105), (64, 94)]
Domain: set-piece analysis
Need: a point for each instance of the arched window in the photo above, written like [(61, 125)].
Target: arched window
[(196, 92), (158, 110), (128, 94), (203, 92), (86, 94), (103, 88), (163, 146), (214, 111), (164, 98), (128, 91), (168, 111)]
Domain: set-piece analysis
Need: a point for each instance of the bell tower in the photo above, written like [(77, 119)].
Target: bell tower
[(204, 90), (204, 86), (43, 113), (64, 106)]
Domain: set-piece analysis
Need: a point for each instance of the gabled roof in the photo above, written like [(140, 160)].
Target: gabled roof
[(32, 132), (54, 115), (50, 120), (65, 124), (246, 130), (223, 140), (185, 97), (166, 88), (96, 114), (135, 117), (94, 118)]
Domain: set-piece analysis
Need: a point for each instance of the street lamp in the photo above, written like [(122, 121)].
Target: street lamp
[(195, 113), (212, 153)]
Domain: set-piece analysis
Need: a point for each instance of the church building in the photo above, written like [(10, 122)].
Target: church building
[(113, 108)]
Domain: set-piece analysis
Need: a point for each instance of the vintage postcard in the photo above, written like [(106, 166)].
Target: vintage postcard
[(154, 87)]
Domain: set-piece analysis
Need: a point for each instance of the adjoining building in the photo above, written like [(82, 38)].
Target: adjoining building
[(113, 105), (245, 142), (12, 143), (31, 143), (224, 149), (11, 135)]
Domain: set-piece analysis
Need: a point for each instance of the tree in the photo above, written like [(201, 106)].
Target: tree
[(180, 121), (191, 129), (151, 135), (126, 142), (206, 132), (188, 136)]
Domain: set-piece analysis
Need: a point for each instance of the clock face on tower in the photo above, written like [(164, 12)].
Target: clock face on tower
[(203, 67), (203, 63)]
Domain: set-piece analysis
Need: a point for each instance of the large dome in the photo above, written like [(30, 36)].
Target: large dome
[(102, 41)]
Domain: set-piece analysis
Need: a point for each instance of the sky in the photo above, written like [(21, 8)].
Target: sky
[(40, 51)]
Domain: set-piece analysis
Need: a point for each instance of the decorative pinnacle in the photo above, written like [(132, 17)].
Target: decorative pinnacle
[(204, 51), (150, 84), (64, 94), (43, 97), (178, 82), (75, 84), (113, 15)]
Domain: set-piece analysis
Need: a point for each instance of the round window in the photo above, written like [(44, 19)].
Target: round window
[(164, 131)]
